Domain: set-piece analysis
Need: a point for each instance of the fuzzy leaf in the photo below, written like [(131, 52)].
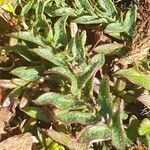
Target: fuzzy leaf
[(104, 97), (118, 139), (65, 72), (26, 8), (36, 113), (76, 117), (61, 11), (86, 5), (108, 6), (23, 51), (111, 48), (90, 20), (126, 26), (130, 21), (78, 84), (144, 127), (47, 54), (135, 77), (58, 100), (77, 48), (95, 133), (60, 35), (26, 73), (132, 130), (116, 27), (29, 36)]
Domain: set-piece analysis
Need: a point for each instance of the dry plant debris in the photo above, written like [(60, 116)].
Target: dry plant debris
[(74, 75)]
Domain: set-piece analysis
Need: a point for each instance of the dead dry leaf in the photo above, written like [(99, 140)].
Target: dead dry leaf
[(18, 142), (5, 116)]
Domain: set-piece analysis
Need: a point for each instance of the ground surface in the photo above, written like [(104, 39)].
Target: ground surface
[(74, 75)]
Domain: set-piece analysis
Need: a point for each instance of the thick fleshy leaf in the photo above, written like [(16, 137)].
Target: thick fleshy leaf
[(60, 35), (126, 26), (108, 6), (65, 72), (41, 22), (116, 27), (56, 99), (47, 54), (135, 77), (60, 11), (130, 21), (29, 36), (86, 5), (26, 73), (95, 133), (78, 84), (90, 20), (111, 48), (26, 8), (144, 127), (77, 48), (104, 97), (65, 139), (23, 51), (36, 113), (132, 130), (76, 117), (118, 139)]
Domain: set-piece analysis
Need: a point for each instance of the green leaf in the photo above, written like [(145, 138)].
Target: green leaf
[(135, 77), (108, 6), (104, 97), (29, 36), (116, 27), (76, 117), (16, 93), (26, 73), (86, 19), (77, 48), (60, 35), (58, 100), (48, 54), (36, 113), (65, 72), (95, 133), (65, 139), (63, 11), (132, 130), (130, 21), (23, 51), (96, 62), (118, 139), (144, 127), (26, 8), (41, 22), (127, 26), (111, 48), (19, 82), (86, 5)]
